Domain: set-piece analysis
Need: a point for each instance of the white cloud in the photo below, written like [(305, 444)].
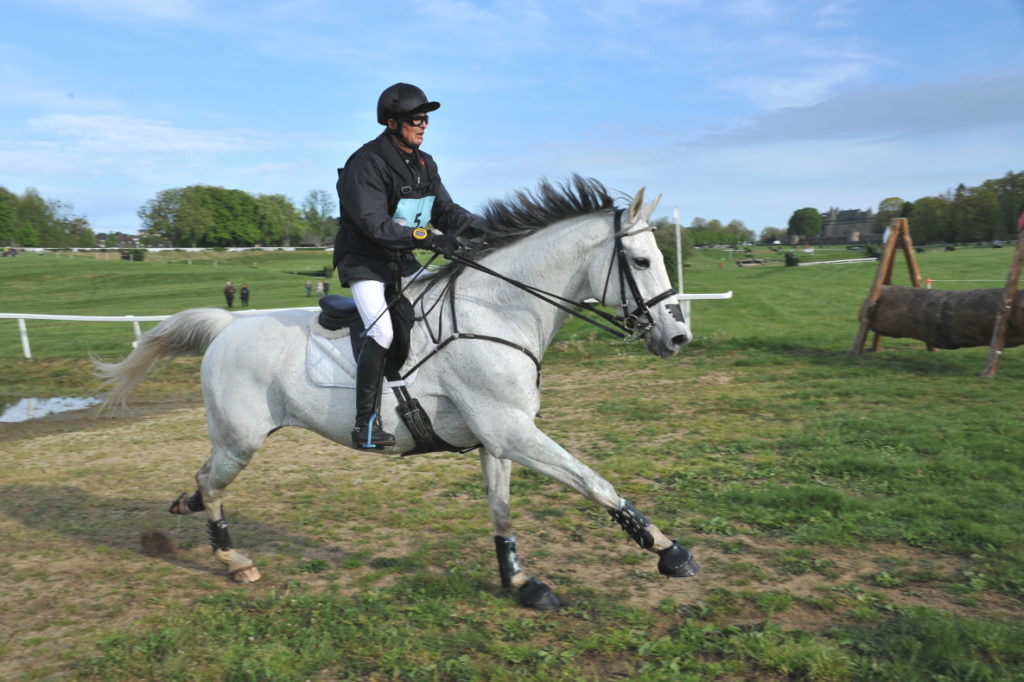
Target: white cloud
[(925, 109), (835, 14), (119, 135), (797, 90)]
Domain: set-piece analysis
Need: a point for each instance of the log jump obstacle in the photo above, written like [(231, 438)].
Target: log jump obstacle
[(942, 319)]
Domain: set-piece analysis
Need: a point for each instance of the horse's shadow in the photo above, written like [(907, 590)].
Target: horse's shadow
[(120, 523)]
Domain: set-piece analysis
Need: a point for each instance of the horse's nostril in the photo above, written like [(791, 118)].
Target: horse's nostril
[(680, 339)]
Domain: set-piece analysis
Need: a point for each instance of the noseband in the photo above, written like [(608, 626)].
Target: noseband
[(638, 322)]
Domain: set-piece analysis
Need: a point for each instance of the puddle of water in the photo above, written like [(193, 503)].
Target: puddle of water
[(34, 408)]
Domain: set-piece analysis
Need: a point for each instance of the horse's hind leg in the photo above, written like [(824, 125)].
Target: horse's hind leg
[(215, 475), (530, 592)]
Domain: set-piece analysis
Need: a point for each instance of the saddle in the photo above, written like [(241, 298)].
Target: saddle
[(340, 312)]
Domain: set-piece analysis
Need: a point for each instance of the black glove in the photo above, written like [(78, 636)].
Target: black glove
[(447, 245)]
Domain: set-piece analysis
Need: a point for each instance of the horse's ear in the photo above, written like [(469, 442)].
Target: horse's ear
[(637, 206), (649, 209)]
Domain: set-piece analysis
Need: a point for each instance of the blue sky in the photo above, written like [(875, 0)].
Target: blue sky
[(733, 109)]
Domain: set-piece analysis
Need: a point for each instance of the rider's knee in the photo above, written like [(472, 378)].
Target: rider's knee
[(382, 334)]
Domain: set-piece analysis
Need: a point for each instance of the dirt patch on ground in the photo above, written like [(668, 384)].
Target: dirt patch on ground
[(81, 493)]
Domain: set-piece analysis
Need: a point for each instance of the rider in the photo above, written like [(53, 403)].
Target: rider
[(390, 194)]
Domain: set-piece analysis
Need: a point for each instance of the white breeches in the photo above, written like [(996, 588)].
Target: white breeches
[(373, 309)]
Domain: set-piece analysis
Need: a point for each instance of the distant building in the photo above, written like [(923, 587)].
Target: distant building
[(117, 240), (849, 225)]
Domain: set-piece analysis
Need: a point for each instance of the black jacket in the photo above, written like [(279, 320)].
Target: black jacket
[(385, 193)]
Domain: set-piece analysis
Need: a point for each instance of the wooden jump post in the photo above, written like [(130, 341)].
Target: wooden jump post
[(995, 349), (899, 235)]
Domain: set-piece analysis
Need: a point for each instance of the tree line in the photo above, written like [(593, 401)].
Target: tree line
[(30, 220), (201, 215), (207, 216), (987, 212), (196, 216)]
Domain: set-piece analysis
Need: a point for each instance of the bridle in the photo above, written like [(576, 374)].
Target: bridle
[(630, 326), (638, 322)]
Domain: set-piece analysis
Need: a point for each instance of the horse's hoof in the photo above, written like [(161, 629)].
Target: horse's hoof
[(180, 505), (246, 574), (538, 596), (677, 562), (187, 504)]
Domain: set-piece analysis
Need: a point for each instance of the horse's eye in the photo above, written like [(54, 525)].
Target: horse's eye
[(642, 263)]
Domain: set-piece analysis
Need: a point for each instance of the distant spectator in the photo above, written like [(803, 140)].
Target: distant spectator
[(319, 289), (245, 295), (309, 288), (229, 294), (327, 287)]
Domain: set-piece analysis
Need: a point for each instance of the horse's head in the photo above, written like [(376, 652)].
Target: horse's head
[(636, 282)]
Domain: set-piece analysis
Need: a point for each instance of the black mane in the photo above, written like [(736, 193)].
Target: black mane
[(525, 212)]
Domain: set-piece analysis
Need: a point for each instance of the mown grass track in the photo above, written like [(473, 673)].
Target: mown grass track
[(857, 518)]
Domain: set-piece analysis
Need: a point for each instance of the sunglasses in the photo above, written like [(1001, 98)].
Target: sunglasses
[(416, 120)]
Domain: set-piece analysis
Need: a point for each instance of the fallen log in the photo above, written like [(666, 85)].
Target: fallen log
[(944, 319)]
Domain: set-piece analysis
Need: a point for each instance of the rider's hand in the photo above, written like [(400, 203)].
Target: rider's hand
[(447, 245)]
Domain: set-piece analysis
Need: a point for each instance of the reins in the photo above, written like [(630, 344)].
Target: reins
[(629, 326), (626, 326)]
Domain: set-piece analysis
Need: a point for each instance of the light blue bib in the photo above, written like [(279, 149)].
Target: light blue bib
[(414, 213)]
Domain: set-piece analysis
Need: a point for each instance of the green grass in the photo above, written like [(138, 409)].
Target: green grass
[(858, 518)]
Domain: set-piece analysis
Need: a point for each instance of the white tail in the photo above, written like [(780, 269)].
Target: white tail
[(187, 333)]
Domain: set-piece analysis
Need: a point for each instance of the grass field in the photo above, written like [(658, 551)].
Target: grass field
[(857, 518)]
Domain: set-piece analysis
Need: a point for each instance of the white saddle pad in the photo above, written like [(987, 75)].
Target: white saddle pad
[(329, 360)]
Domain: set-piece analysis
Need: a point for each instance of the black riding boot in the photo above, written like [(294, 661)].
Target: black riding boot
[(369, 432)]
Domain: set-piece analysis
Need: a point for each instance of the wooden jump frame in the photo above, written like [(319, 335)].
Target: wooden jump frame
[(899, 237)]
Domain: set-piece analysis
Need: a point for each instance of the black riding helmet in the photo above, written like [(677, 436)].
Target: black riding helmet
[(402, 99)]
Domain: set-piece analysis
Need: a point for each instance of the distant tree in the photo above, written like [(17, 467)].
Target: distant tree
[(805, 222), (887, 210), (194, 219), (930, 221), (771, 234), (234, 217), (665, 236), (277, 219), (1010, 190), (36, 219), (320, 216), (79, 233), (159, 217), (976, 214), (9, 233), (201, 215), (32, 220), (739, 231)]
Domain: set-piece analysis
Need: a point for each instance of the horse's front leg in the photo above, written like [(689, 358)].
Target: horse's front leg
[(521, 441), (530, 592)]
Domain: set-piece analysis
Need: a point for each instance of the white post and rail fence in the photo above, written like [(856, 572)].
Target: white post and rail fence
[(26, 347)]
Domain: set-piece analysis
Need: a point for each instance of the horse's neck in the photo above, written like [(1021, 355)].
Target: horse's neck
[(553, 260)]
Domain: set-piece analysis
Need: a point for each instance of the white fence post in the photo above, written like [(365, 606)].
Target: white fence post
[(23, 331), (136, 327)]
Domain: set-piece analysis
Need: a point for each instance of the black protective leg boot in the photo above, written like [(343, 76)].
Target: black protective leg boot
[(368, 433)]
